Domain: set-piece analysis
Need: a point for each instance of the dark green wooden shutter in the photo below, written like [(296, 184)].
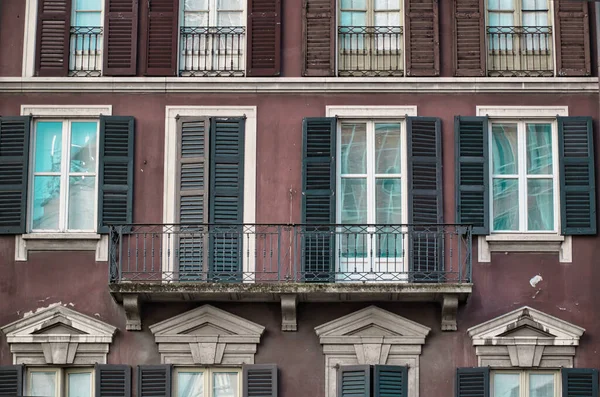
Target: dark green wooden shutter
[(579, 382), (472, 173), (226, 198), (473, 382), (318, 198), (154, 381), (191, 192), (14, 166), (260, 380), (115, 172), (425, 207), (577, 177), (390, 381), (11, 381), (113, 380), (354, 381)]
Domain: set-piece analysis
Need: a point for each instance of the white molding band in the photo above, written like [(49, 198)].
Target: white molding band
[(235, 85), (66, 111), (528, 112), (370, 112)]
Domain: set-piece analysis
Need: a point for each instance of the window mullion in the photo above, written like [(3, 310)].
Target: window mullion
[(371, 211), (522, 170), (212, 13), (64, 176)]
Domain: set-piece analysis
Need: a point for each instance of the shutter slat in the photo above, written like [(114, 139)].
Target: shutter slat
[(577, 176), (162, 37), (154, 381), (469, 38), (318, 197), (53, 30), (319, 36), (472, 382), (115, 175), (472, 172), (120, 39), (573, 51), (422, 38), (260, 380), (14, 166), (264, 38), (354, 381), (113, 380), (390, 381), (579, 382), (11, 381)]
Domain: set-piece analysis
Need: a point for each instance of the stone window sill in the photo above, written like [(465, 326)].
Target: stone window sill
[(524, 243), (25, 243)]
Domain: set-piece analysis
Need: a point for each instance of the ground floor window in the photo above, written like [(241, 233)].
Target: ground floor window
[(60, 382), (525, 384)]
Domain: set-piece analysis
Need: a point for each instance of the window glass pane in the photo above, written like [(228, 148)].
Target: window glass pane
[(539, 149), (89, 5), (82, 200), (229, 19), (506, 204), (190, 384), (387, 148), (48, 146), (83, 146), (504, 149), (42, 384), (501, 19), (354, 4), (387, 19), (540, 204), (80, 385), (225, 384), (506, 5), (195, 5), (229, 4), (353, 18), (195, 19), (541, 385), (506, 385), (88, 19), (535, 5), (536, 19), (354, 149), (354, 200), (388, 199), (387, 4), (46, 202)]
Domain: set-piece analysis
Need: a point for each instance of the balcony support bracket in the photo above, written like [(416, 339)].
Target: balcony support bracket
[(449, 310), (132, 306), (289, 303)]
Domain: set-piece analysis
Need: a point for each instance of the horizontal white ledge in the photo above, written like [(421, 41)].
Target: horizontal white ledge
[(298, 84)]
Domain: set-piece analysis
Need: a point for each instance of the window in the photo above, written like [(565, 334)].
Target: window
[(60, 382), (64, 184), (207, 382), (86, 38), (524, 176), (524, 384)]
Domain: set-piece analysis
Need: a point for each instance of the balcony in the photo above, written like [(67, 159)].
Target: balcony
[(212, 51), (373, 51), (272, 263), (85, 58), (520, 51)]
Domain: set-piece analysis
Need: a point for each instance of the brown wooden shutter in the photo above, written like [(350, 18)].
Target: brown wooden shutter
[(572, 32), (422, 38), (162, 27), (120, 37), (318, 37), (469, 38), (264, 37), (52, 47)]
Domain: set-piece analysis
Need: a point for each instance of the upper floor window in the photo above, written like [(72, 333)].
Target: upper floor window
[(207, 382), (524, 384), (60, 382)]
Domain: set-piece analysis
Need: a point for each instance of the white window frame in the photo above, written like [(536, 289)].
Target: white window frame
[(213, 12), (74, 11), (517, 12), (61, 376), (371, 11), (524, 380), (208, 377)]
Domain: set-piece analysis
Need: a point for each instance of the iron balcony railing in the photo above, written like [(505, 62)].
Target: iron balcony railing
[(370, 51), (212, 51), (85, 59), (290, 253), (517, 51)]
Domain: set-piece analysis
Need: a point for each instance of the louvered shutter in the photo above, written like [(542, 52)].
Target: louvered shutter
[(260, 380), (354, 381), (318, 198), (473, 382), (226, 198), (318, 37), (469, 38), (572, 24), (11, 381), (154, 381), (472, 173), (191, 194), (120, 37), (422, 38), (113, 380), (390, 381), (579, 382), (264, 38), (53, 30), (14, 166), (577, 176), (425, 209), (115, 172), (161, 37)]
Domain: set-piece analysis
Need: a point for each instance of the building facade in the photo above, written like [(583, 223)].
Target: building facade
[(209, 198)]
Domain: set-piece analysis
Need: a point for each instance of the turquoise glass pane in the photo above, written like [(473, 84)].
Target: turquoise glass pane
[(87, 5), (349, 18), (190, 384), (506, 385), (387, 148), (539, 149), (48, 146), (354, 149), (88, 19), (387, 4), (80, 385), (531, 5), (42, 384), (504, 149), (83, 146), (354, 4), (389, 211), (541, 385), (82, 202), (506, 204), (504, 5), (46, 202), (354, 242), (540, 204), (225, 384)]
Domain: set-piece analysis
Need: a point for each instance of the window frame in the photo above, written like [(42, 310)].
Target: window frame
[(208, 380), (517, 12), (74, 13), (524, 380), (213, 12), (61, 376)]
